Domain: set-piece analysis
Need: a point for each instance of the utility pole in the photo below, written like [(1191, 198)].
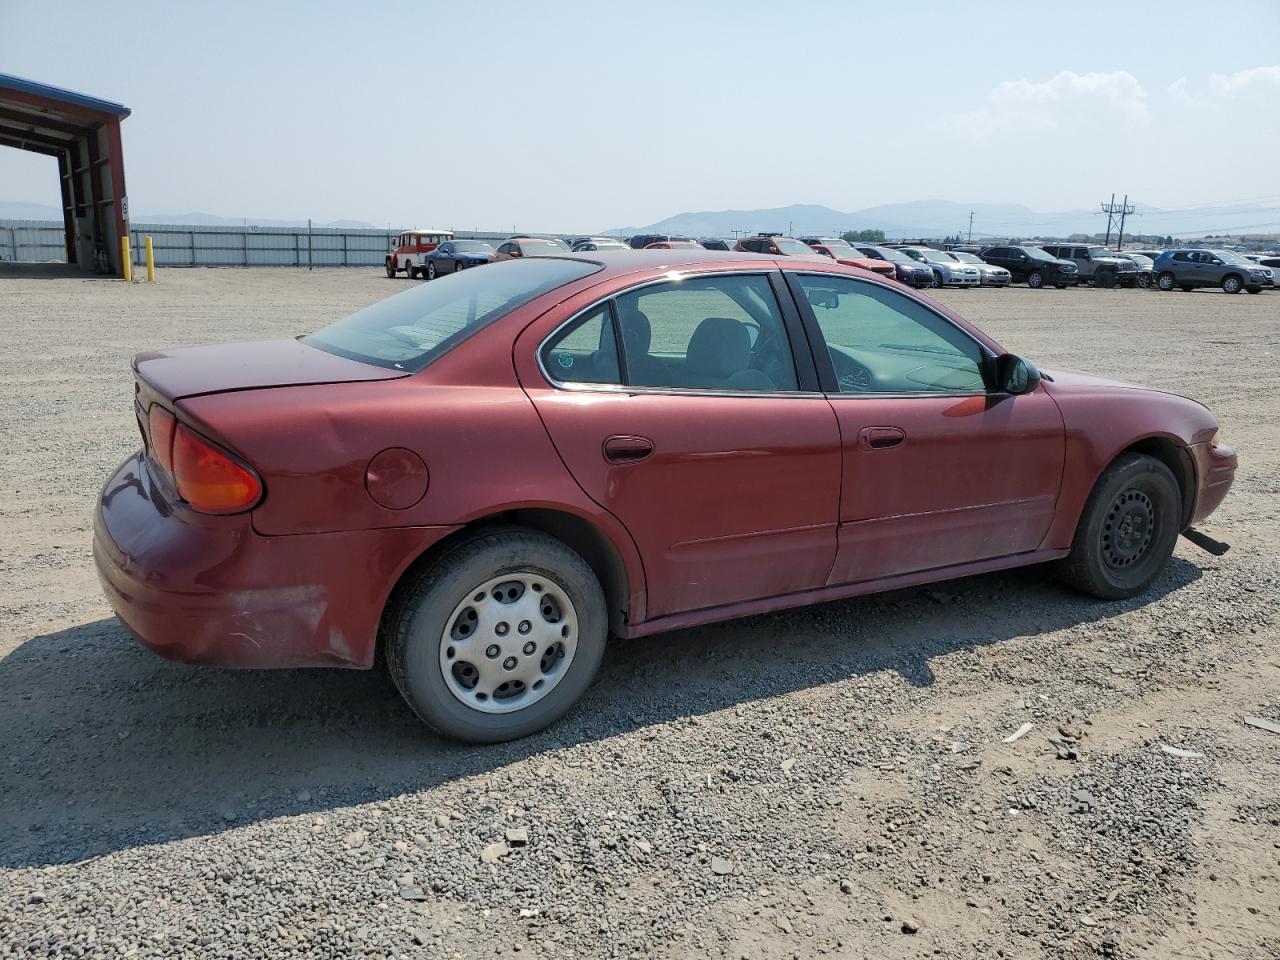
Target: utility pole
[(970, 226), (1115, 216)]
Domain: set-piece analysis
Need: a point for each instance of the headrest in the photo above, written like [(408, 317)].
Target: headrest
[(719, 348)]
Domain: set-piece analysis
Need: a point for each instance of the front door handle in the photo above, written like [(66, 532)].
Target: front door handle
[(881, 438), (627, 449)]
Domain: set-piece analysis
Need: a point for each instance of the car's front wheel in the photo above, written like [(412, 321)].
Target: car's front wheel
[(1035, 280), (431, 270), (497, 637), (1127, 531), (1144, 281), (937, 280), (391, 270), (1231, 284), (1166, 281)]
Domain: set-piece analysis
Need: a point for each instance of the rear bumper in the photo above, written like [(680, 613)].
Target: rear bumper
[(1215, 471), (211, 590)]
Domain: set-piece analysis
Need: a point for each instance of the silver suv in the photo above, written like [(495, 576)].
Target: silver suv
[(1097, 264)]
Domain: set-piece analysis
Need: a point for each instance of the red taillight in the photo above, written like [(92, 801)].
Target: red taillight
[(160, 424), (208, 479)]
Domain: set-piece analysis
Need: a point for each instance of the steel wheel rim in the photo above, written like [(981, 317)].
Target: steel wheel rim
[(509, 642), (1129, 529)]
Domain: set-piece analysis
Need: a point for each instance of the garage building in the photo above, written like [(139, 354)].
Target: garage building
[(83, 132)]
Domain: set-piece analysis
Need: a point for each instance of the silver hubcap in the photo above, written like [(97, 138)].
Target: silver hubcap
[(509, 642)]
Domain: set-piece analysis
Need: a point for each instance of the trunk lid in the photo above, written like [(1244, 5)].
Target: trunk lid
[(224, 367)]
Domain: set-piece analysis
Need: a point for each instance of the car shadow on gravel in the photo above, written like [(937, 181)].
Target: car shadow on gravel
[(106, 747)]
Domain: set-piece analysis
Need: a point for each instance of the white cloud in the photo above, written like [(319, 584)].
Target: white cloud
[(1244, 82), (1227, 86), (1064, 100)]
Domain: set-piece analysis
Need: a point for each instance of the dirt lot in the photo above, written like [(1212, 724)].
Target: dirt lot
[(828, 781)]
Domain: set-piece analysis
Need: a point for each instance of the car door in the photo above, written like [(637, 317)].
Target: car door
[(1211, 269), (938, 470), (678, 407), (1184, 266)]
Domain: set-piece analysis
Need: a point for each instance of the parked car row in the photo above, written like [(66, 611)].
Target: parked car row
[(432, 253)]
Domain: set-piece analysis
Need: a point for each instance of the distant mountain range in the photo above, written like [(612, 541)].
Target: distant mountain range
[(13, 210), (940, 218), (920, 218)]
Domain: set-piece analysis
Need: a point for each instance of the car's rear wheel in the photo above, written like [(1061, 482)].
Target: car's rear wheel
[(1166, 281), (431, 270), (498, 637), (1035, 279), (1127, 531), (1231, 284)]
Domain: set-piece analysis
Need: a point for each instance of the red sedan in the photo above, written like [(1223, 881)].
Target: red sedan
[(484, 477), (842, 252)]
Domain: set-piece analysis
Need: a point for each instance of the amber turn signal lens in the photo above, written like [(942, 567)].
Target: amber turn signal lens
[(160, 424), (208, 479)]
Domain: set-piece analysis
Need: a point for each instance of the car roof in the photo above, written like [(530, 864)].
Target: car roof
[(428, 230), (638, 261)]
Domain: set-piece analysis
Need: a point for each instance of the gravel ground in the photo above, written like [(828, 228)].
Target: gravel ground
[(827, 781)]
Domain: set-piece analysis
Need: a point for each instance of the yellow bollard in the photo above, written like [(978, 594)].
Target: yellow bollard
[(151, 261), (126, 260)]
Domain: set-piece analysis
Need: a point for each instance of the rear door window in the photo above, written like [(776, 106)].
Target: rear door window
[(706, 333)]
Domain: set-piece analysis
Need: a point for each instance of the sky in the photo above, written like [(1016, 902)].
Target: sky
[(574, 116)]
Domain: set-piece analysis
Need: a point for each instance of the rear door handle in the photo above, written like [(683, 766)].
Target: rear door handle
[(881, 438), (627, 449)]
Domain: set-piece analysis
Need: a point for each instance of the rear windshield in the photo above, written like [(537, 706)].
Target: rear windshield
[(1035, 253), (793, 248), (409, 330)]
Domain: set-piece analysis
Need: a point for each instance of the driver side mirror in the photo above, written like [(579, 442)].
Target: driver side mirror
[(1015, 375)]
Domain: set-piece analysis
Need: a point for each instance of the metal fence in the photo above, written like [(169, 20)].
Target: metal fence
[(181, 245)]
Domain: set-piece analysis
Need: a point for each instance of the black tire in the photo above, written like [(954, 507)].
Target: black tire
[(423, 602), (409, 272), (1035, 279), (1127, 531), (1060, 286), (391, 270), (937, 280), (431, 270), (1144, 281), (1187, 287), (1166, 282), (1252, 289), (1232, 284)]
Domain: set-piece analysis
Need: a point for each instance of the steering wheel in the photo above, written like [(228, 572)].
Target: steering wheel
[(852, 376)]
